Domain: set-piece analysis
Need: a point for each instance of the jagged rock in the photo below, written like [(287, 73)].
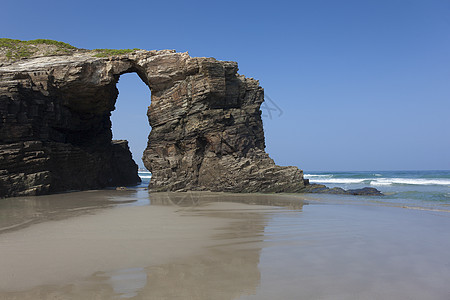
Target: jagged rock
[(125, 170), (207, 132), (366, 191), (322, 189), (35, 168)]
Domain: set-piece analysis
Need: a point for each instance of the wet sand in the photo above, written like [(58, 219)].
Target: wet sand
[(127, 244)]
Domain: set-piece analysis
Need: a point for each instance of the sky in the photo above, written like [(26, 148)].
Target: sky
[(353, 85)]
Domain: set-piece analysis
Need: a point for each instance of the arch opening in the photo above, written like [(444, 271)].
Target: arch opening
[(129, 119)]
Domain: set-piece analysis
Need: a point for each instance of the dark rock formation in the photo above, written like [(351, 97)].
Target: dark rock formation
[(124, 168), (322, 189), (36, 167), (207, 133)]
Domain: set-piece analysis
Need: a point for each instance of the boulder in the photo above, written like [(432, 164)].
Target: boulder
[(322, 189)]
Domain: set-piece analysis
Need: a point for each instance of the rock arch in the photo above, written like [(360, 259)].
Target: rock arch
[(207, 133), (129, 119)]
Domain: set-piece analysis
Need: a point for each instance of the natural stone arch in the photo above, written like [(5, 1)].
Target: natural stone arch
[(129, 119), (207, 132)]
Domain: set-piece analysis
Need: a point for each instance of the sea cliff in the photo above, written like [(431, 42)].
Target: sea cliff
[(55, 128)]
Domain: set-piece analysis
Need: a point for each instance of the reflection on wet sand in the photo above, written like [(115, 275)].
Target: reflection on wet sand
[(215, 246), (20, 212), (224, 268), (218, 274), (193, 199)]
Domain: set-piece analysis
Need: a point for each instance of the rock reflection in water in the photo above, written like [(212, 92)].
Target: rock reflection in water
[(229, 269), (193, 199), (220, 274), (226, 269), (21, 212)]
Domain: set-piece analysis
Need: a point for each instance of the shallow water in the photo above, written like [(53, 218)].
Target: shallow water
[(21, 212), (429, 188), (223, 246)]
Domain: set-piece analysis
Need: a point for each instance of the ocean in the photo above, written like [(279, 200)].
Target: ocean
[(145, 177), (414, 189)]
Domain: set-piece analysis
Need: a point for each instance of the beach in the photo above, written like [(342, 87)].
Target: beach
[(225, 150), (130, 244)]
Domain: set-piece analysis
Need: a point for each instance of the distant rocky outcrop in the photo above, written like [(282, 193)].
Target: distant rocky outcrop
[(322, 189), (55, 128)]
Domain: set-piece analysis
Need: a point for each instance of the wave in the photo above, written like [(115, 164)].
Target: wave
[(377, 181), (339, 180), (145, 174), (425, 208), (410, 181), (380, 183), (314, 177)]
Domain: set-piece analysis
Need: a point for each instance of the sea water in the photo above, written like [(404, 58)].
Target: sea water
[(429, 189), (145, 177), (414, 189)]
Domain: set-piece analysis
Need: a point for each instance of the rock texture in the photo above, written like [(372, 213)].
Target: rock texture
[(42, 167), (207, 132), (322, 189)]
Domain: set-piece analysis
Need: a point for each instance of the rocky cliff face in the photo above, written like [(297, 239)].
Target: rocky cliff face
[(207, 133)]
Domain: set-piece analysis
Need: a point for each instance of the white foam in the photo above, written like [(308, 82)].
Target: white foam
[(145, 174), (411, 181), (314, 178), (378, 183), (319, 175), (339, 180)]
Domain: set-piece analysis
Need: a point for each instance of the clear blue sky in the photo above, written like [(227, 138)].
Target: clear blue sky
[(363, 85)]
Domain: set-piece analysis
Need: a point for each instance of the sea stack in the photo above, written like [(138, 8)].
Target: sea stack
[(55, 127)]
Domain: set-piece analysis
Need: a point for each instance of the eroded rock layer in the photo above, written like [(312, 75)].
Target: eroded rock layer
[(207, 132)]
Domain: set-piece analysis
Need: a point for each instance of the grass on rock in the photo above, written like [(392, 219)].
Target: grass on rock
[(17, 49), (111, 52)]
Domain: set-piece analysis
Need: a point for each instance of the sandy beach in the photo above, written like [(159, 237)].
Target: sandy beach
[(128, 244)]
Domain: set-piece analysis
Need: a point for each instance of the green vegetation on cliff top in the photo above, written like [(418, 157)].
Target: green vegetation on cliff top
[(10, 43), (111, 52), (17, 49)]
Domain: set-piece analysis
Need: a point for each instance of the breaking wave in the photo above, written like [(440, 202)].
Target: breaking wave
[(376, 180), (411, 181), (145, 174), (337, 180)]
